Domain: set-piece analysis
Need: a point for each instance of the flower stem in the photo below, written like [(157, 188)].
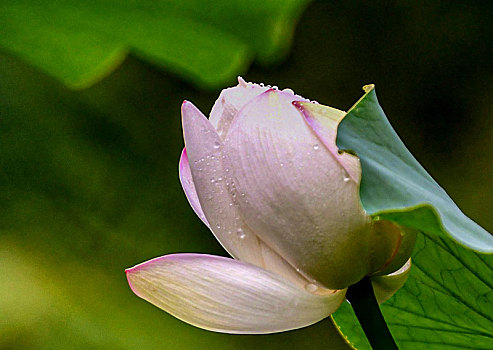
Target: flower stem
[(365, 306)]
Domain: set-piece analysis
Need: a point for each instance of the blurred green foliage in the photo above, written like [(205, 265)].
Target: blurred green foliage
[(88, 179), (89, 187), (207, 42)]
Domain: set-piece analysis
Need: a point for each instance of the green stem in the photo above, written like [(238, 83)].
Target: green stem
[(365, 306)]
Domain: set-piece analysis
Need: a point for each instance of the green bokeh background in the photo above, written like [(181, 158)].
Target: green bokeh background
[(89, 182)]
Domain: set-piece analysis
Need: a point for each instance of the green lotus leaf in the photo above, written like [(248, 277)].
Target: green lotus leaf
[(447, 301), (207, 43), (395, 186)]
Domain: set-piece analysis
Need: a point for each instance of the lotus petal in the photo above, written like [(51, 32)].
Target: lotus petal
[(218, 199), (294, 194), (226, 295), (385, 286)]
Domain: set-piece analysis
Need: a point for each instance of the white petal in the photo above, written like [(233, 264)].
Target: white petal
[(230, 101), (324, 121), (226, 295), (295, 195), (218, 200), (385, 286), (189, 187), (204, 150)]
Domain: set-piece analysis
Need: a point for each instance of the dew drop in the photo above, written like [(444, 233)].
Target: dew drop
[(217, 145), (240, 233), (289, 91), (218, 226), (347, 178), (281, 164), (310, 287), (213, 180), (315, 147)]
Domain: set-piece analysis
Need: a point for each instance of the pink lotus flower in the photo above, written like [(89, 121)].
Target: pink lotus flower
[(265, 175)]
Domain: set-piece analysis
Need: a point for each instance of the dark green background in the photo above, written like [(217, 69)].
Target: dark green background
[(89, 182)]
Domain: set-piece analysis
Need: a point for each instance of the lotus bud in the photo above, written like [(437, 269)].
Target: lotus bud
[(265, 175)]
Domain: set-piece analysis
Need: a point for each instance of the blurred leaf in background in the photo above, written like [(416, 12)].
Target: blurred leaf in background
[(89, 186), (206, 42), (89, 182)]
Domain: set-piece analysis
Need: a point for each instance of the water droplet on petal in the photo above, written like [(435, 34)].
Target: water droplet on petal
[(316, 147), (347, 178), (289, 91), (310, 287), (240, 233)]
